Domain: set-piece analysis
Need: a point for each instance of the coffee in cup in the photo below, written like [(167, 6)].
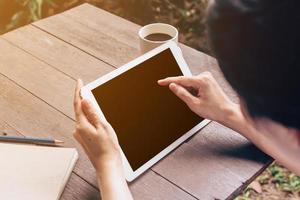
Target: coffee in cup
[(154, 35)]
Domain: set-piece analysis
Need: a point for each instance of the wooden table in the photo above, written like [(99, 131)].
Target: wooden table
[(39, 65)]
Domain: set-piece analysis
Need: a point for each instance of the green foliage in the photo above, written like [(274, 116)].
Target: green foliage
[(31, 10), (283, 179), (275, 176), (246, 195)]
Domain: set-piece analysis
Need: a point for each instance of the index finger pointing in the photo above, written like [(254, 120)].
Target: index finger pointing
[(184, 81)]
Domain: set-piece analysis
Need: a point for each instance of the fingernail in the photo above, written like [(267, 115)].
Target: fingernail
[(87, 102), (172, 85), (160, 82)]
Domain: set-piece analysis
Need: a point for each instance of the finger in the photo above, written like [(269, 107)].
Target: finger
[(84, 146), (91, 114), (79, 139), (183, 94), (179, 80), (77, 102)]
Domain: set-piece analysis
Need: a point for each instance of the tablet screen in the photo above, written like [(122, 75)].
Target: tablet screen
[(146, 117)]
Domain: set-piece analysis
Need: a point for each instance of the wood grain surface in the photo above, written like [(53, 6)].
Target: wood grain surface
[(39, 64)]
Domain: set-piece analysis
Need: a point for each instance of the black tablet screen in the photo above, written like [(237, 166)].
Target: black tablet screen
[(145, 116)]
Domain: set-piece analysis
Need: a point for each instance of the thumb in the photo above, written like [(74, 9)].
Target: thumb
[(90, 113), (183, 94)]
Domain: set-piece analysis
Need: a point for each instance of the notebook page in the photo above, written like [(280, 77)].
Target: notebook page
[(34, 172)]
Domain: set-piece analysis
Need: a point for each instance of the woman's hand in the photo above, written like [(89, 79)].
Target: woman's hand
[(95, 136), (101, 145), (203, 95)]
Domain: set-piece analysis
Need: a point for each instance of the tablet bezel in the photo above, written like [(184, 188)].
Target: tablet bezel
[(86, 93)]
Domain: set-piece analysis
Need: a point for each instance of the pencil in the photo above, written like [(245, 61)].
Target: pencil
[(31, 140)]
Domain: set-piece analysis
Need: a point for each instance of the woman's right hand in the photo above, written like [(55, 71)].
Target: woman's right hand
[(203, 95)]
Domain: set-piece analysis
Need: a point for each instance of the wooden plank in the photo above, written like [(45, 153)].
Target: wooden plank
[(104, 22), (143, 188), (58, 54), (76, 187), (213, 164), (36, 77), (33, 117), (88, 40)]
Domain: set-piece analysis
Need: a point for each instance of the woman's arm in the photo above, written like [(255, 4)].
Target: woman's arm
[(101, 145), (280, 142), (205, 97)]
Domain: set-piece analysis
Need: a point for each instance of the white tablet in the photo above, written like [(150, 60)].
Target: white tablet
[(149, 120)]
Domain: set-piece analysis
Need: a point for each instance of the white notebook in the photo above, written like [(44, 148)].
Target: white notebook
[(30, 172)]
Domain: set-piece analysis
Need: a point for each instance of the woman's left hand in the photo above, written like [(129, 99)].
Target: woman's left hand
[(95, 136), (100, 143)]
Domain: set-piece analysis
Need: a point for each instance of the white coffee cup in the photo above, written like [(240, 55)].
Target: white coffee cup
[(156, 28)]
